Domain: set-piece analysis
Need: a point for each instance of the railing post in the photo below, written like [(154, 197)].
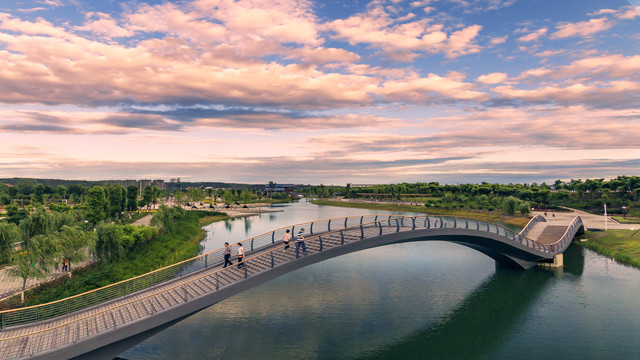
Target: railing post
[(341, 237), (380, 225), (455, 224), (186, 294), (361, 232), (272, 263), (413, 220), (477, 225), (217, 280), (273, 237), (320, 238), (361, 217), (345, 222), (329, 225), (206, 261), (252, 244), (427, 223), (397, 225), (38, 314), (153, 279), (311, 228), (466, 223), (245, 269), (487, 227)]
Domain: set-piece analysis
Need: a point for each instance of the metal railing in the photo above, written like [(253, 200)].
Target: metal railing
[(182, 290), (536, 219), (42, 312), (568, 235), (107, 293)]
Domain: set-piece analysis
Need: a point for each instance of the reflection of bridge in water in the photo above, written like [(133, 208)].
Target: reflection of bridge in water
[(89, 321)]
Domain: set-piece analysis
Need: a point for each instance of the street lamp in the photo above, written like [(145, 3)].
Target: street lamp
[(85, 224)]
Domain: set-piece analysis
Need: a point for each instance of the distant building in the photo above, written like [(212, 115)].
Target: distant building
[(270, 189), (175, 181), (159, 183)]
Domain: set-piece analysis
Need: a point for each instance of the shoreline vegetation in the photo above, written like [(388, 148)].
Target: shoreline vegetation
[(182, 242), (623, 246), (491, 216)]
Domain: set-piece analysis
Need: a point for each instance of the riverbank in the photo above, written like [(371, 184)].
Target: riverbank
[(621, 245), (496, 217)]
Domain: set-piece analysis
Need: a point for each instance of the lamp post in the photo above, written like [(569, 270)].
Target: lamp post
[(86, 222)]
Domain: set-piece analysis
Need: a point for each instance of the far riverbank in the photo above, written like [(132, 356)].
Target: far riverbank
[(495, 217)]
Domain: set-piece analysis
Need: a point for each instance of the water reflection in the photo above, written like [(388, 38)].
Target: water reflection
[(478, 325)]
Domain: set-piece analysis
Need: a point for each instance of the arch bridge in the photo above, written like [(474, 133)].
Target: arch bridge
[(83, 323)]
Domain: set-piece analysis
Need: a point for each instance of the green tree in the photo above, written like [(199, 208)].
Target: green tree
[(167, 216), (132, 198), (9, 234), (116, 201), (108, 244), (74, 244), (36, 261), (39, 193), (509, 205), (147, 196), (98, 205), (524, 208)]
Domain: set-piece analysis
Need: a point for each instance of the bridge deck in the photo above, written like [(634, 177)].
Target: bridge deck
[(550, 234)]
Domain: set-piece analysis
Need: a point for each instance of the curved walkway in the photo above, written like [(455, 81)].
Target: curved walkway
[(150, 300)]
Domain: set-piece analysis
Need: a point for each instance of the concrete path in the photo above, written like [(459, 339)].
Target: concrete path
[(590, 221)]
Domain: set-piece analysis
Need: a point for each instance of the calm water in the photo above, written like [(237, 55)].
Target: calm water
[(416, 300)]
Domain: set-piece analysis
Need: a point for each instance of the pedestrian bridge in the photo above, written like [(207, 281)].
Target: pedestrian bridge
[(83, 323)]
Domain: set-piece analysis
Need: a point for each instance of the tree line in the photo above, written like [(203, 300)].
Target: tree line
[(621, 194)]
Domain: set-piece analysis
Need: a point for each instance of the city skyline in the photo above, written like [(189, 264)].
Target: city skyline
[(320, 92)]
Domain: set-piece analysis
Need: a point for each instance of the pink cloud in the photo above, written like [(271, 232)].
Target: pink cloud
[(104, 25), (582, 28), (493, 78), (533, 36), (379, 29)]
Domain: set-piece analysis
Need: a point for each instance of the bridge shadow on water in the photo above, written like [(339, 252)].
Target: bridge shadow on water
[(485, 318)]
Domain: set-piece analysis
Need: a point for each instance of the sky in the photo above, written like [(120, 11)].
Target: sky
[(320, 92)]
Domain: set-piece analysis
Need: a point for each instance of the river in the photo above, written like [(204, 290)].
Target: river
[(410, 301)]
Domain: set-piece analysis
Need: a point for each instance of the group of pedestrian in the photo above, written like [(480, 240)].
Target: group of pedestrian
[(227, 255), (286, 238)]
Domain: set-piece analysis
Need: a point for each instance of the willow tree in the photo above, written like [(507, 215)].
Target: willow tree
[(36, 261), (9, 234), (74, 244)]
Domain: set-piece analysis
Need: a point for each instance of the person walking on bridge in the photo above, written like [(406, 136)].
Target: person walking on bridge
[(285, 239), (300, 242), (227, 254), (240, 256)]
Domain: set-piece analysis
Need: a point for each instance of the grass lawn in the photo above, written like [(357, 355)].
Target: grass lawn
[(494, 217), (621, 245), (627, 220)]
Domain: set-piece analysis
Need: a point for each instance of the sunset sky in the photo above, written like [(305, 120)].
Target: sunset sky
[(331, 92)]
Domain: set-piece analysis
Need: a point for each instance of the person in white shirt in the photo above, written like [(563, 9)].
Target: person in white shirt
[(285, 239), (240, 256)]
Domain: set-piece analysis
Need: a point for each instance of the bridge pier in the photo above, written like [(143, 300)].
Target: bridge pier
[(558, 262)]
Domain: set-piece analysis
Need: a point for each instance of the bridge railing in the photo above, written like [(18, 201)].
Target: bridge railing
[(568, 235), (536, 219), (257, 263), (42, 312)]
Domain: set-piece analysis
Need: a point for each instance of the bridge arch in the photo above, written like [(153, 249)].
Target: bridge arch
[(202, 282)]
